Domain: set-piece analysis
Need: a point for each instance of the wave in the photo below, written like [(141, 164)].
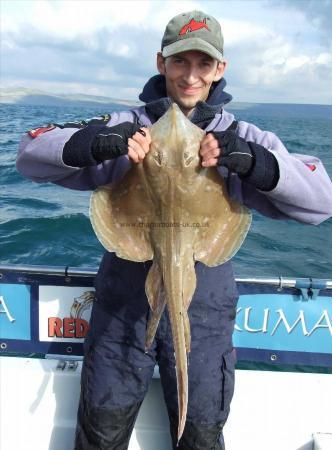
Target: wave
[(62, 240), (45, 224)]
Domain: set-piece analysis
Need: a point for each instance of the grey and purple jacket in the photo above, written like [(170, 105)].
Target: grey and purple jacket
[(303, 191)]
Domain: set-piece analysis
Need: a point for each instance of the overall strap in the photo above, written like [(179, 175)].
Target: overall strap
[(233, 126), (140, 117)]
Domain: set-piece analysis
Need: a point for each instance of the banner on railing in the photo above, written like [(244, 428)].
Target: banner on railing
[(64, 313), (50, 314), (284, 322), (15, 312)]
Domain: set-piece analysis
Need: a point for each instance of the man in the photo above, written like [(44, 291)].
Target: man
[(259, 173)]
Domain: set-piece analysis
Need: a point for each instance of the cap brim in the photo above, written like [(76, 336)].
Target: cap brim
[(184, 45)]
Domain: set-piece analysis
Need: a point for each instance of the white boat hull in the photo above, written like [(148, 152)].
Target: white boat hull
[(270, 410)]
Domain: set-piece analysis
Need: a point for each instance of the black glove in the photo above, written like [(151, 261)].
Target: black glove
[(235, 153), (252, 162), (97, 143), (112, 142)]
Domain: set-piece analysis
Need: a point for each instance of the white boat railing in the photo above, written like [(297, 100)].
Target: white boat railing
[(67, 271)]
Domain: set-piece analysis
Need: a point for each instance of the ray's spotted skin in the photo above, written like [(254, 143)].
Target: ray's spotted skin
[(171, 210)]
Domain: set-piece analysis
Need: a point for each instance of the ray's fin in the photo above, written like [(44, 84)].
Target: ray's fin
[(227, 223), (120, 214)]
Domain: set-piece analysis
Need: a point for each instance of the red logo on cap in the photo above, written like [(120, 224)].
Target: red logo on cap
[(193, 26)]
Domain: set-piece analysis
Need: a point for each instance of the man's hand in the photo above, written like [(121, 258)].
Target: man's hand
[(225, 148), (95, 144), (125, 138), (139, 145)]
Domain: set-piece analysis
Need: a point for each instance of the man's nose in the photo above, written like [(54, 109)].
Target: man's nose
[(191, 74)]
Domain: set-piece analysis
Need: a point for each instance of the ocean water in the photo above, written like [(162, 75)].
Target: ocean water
[(48, 224)]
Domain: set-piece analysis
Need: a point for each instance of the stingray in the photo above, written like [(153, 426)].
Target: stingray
[(171, 210)]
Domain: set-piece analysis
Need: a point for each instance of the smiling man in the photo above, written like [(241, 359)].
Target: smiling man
[(189, 76), (259, 173)]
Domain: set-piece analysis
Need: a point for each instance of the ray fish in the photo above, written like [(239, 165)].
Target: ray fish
[(171, 210)]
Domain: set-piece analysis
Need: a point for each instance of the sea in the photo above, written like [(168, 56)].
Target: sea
[(44, 224)]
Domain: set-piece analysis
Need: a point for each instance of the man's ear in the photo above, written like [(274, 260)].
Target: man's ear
[(221, 67), (161, 64)]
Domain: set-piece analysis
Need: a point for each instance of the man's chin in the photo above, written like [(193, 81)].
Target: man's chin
[(187, 105)]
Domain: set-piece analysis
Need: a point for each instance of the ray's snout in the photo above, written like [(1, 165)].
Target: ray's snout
[(175, 140)]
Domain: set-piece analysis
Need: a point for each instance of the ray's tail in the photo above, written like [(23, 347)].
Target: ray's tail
[(172, 275), (165, 285)]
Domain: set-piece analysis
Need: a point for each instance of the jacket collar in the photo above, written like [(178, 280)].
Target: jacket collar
[(157, 103)]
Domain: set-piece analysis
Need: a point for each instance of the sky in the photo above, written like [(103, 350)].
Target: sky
[(276, 50)]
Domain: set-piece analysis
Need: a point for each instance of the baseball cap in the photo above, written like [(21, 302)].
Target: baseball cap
[(193, 30)]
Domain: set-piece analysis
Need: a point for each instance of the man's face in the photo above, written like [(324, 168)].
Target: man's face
[(189, 76)]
